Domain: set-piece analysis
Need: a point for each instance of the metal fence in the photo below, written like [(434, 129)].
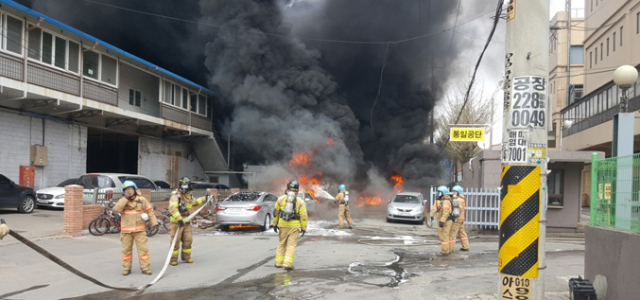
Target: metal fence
[(100, 196), (615, 192), (482, 207)]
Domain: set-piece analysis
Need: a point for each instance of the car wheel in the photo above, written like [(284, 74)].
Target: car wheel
[(267, 223), (27, 205), (389, 220), (224, 228)]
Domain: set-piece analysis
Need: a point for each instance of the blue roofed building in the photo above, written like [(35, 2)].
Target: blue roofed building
[(91, 107)]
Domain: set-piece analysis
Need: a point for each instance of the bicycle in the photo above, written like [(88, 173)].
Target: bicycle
[(163, 217), (105, 221)]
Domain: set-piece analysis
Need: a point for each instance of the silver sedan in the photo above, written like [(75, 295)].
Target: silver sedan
[(406, 207), (246, 208)]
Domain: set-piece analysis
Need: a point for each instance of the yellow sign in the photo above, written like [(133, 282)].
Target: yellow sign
[(511, 10), (607, 191), (467, 134), (515, 287)]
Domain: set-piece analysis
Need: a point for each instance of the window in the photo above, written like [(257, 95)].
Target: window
[(607, 46), (109, 67), (601, 52), (167, 93), (614, 42), (637, 22), (74, 57), (194, 103), (35, 36), (14, 35), (4, 181), (61, 53), (185, 98), (202, 104), (621, 28), (577, 55), (177, 95), (555, 182), (90, 64), (551, 136), (47, 47), (134, 97), (578, 90), (591, 5), (596, 55), (209, 107), (590, 59)]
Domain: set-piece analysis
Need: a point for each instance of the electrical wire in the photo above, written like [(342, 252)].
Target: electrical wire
[(384, 63), (475, 71), (258, 32)]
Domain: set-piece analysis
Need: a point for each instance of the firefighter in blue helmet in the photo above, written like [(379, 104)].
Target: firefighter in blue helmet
[(444, 221), (343, 206)]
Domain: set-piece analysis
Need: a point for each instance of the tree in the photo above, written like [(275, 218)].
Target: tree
[(477, 111)]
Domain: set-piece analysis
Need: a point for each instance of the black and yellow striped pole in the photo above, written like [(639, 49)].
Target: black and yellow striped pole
[(524, 151)]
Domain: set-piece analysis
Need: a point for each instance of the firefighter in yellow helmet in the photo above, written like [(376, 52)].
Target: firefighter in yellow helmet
[(135, 210), (343, 207), (458, 205), (444, 220), (289, 220), (4, 229), (179, 206)]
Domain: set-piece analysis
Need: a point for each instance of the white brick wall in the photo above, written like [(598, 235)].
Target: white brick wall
[(66, 145), (167, 160)]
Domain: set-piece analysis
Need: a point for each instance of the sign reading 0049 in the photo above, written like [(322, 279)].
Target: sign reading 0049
[(528, 102)]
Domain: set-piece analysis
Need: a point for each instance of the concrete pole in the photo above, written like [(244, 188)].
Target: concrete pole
[(568, 8), (523, 205), (622, 149)]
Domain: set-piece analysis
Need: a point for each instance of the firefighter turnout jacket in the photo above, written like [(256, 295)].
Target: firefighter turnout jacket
[(299, 221), (181, 204), (132, 211)]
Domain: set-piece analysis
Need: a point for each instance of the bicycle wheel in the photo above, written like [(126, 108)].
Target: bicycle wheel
[(116, 223), (164, 222), (99, 226)]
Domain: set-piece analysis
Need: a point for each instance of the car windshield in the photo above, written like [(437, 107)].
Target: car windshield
[(68, 182), (96, 182), (243, 197), (406, 199)]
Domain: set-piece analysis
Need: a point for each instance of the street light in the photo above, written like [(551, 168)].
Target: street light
[(622, 146), (625, 76)]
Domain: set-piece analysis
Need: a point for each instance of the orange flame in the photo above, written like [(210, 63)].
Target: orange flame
[(301, 159), (331, 142), (399, 183), (369, 200)]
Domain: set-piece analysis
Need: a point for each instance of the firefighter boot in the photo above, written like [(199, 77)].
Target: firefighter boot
[(146, 271), (126, 272)]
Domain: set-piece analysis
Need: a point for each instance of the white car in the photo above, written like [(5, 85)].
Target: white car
[(407, 207), (53, 196)]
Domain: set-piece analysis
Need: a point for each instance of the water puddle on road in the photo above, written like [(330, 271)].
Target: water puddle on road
[(392, 270)]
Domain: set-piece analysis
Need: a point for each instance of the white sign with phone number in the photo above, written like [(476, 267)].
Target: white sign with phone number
[(528, 102)]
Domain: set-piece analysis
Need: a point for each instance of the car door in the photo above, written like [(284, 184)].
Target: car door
[(9, 193), (270, 202)]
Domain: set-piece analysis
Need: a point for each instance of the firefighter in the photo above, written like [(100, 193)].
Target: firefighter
[(135, 210), (343, 207), (289, 220), (179, 206), (458, 224), (4, 229), (444, 222)]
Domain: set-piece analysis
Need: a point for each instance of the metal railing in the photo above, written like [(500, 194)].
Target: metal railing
[(615, 192), (482, 209), (101, 196)]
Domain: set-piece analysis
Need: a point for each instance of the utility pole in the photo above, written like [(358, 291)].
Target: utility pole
[(568, 8), (523, 205)]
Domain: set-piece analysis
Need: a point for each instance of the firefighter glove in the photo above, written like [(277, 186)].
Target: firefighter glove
[(181, 223), (275, 229), (441, 224), (303, 232)]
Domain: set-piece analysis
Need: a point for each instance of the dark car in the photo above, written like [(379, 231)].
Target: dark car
[(15, 196), (162, 184)]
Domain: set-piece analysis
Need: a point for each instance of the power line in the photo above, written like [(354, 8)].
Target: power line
[(498, 12), (384, 63), (259, 32)]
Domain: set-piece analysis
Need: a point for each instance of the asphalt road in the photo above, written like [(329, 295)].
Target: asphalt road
[(376, 260)]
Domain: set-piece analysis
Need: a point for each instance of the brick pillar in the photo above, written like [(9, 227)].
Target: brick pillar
[(146, 193), (214, 194), (233, 191), (73, 210)]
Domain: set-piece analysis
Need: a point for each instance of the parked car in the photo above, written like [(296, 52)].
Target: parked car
[(163, 184), (200, 187), (53, 196), (310, 201), (15, 196), (111, 183), (246, 208), (406, 207)]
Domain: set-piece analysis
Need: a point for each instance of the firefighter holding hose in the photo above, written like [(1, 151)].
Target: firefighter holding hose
[(343, 207), (179, 206)]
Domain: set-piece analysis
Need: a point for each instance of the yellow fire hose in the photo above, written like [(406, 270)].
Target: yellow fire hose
[(80, 274)]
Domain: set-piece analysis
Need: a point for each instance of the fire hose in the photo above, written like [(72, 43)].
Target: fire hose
[(80, 274)]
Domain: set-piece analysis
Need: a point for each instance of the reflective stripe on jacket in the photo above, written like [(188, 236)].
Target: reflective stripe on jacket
[(187, 201), (301, 209), (131, 211)]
